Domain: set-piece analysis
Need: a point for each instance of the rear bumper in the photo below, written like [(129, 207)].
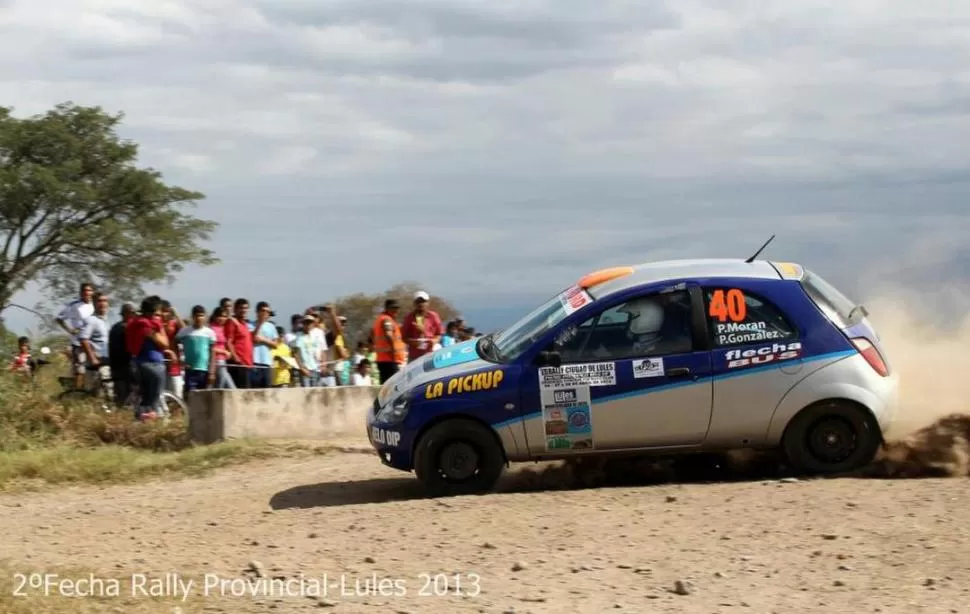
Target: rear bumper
[(887, 407)]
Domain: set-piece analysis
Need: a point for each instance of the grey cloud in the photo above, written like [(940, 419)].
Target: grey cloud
[(511, 147), (560, 24)]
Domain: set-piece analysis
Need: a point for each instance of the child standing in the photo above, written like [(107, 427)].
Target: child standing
[(199, 347)]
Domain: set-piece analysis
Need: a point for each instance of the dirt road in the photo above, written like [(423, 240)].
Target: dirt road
[(778, 546)]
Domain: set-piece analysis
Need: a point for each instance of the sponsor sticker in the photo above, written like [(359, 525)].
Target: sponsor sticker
[(455, 355), (574, 299), (731, 333), (586, 374), (567, 418), (474, 382), (776, 352), (385, 437), (648, 367)]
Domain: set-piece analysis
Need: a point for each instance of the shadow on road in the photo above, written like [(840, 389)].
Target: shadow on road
[(352, 492), (938, 451)]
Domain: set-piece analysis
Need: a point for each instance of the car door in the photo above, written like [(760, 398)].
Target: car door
[(757, 357), (620, 390)]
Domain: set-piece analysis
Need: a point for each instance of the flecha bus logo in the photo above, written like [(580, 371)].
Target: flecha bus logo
[(776, 352)]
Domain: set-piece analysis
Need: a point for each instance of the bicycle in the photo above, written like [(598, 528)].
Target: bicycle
[(174, 405)]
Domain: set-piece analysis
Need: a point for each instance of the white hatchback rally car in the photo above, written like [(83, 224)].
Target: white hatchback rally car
[(664, 358)]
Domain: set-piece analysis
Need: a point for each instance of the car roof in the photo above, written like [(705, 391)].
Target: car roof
[(673, 270)]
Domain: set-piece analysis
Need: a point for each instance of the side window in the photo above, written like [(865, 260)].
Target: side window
[(736, 317), (652, 325)]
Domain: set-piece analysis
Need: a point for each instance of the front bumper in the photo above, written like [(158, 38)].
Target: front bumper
[(389, 441)]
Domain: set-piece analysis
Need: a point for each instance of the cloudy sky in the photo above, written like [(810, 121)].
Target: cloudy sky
[(496, 150)]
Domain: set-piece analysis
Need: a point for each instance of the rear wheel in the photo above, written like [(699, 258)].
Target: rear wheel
[(831, 437), (458, 457)]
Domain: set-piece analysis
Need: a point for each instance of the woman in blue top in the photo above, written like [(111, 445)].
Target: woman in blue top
[(148, 344)]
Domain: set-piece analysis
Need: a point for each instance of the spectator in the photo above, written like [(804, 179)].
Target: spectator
[(318, 334), (239, 342), (199, 347), (146, 342), (173, 323), (388, 342), (337, 346), (94, 343), (23, 362), (71, 319), (217, 322), (296, 321), (119, 358), (359, 354), (226, 303), (451, 335), (265, 339), (422, 328), (361, 374), (283, 363), (306, 351)]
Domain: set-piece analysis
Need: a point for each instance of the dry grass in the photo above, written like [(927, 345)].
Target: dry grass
[(43, 441)]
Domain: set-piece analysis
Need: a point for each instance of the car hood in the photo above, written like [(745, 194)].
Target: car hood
[(446, 362)]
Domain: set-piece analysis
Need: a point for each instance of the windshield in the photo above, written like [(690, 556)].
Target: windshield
[(516, 339)]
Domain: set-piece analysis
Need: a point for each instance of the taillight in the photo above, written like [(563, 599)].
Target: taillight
[(871, 354)]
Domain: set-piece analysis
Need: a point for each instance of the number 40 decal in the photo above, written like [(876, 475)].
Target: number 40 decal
[(728, 305)]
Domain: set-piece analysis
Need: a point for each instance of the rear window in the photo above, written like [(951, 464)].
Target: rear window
[(837, 306)]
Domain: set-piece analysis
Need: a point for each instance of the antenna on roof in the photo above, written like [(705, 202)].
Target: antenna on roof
[(760, 249)]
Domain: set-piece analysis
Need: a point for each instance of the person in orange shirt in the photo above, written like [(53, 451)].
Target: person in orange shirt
[(388, 342)]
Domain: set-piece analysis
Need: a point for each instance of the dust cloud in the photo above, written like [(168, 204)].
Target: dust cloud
[(929, 349), (926, 338)]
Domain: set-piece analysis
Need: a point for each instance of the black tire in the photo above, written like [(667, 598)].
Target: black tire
[(443, 450), (831, 437)]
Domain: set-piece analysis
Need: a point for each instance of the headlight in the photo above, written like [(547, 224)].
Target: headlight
[(396, 412)]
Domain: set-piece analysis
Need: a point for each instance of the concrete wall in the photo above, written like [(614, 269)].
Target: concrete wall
[(279, 413)]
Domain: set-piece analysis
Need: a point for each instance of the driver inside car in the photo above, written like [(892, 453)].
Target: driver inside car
[(657, 325)]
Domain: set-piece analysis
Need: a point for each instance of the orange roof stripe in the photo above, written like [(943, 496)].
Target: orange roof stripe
[(604, 275)]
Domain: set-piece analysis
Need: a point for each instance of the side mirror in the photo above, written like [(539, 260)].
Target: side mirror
[(45, 350), (549, 359)]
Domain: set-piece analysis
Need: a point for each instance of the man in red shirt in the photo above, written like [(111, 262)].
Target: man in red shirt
[(422, 328), (239, 342)]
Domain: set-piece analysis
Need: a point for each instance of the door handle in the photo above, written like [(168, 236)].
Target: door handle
[(678, 372)]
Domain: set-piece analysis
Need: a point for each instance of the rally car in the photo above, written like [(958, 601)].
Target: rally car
[(673, 357)]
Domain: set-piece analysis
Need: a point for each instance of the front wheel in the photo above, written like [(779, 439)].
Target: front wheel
[(832, 437), (176, 407), (458, 457)]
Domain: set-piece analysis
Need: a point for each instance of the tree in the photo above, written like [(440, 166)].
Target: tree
[(74, 206), (360, 309)]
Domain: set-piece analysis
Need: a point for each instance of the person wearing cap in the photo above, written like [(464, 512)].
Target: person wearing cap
[(265, 339), (422, 328), (389, 344), (119, 360)]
